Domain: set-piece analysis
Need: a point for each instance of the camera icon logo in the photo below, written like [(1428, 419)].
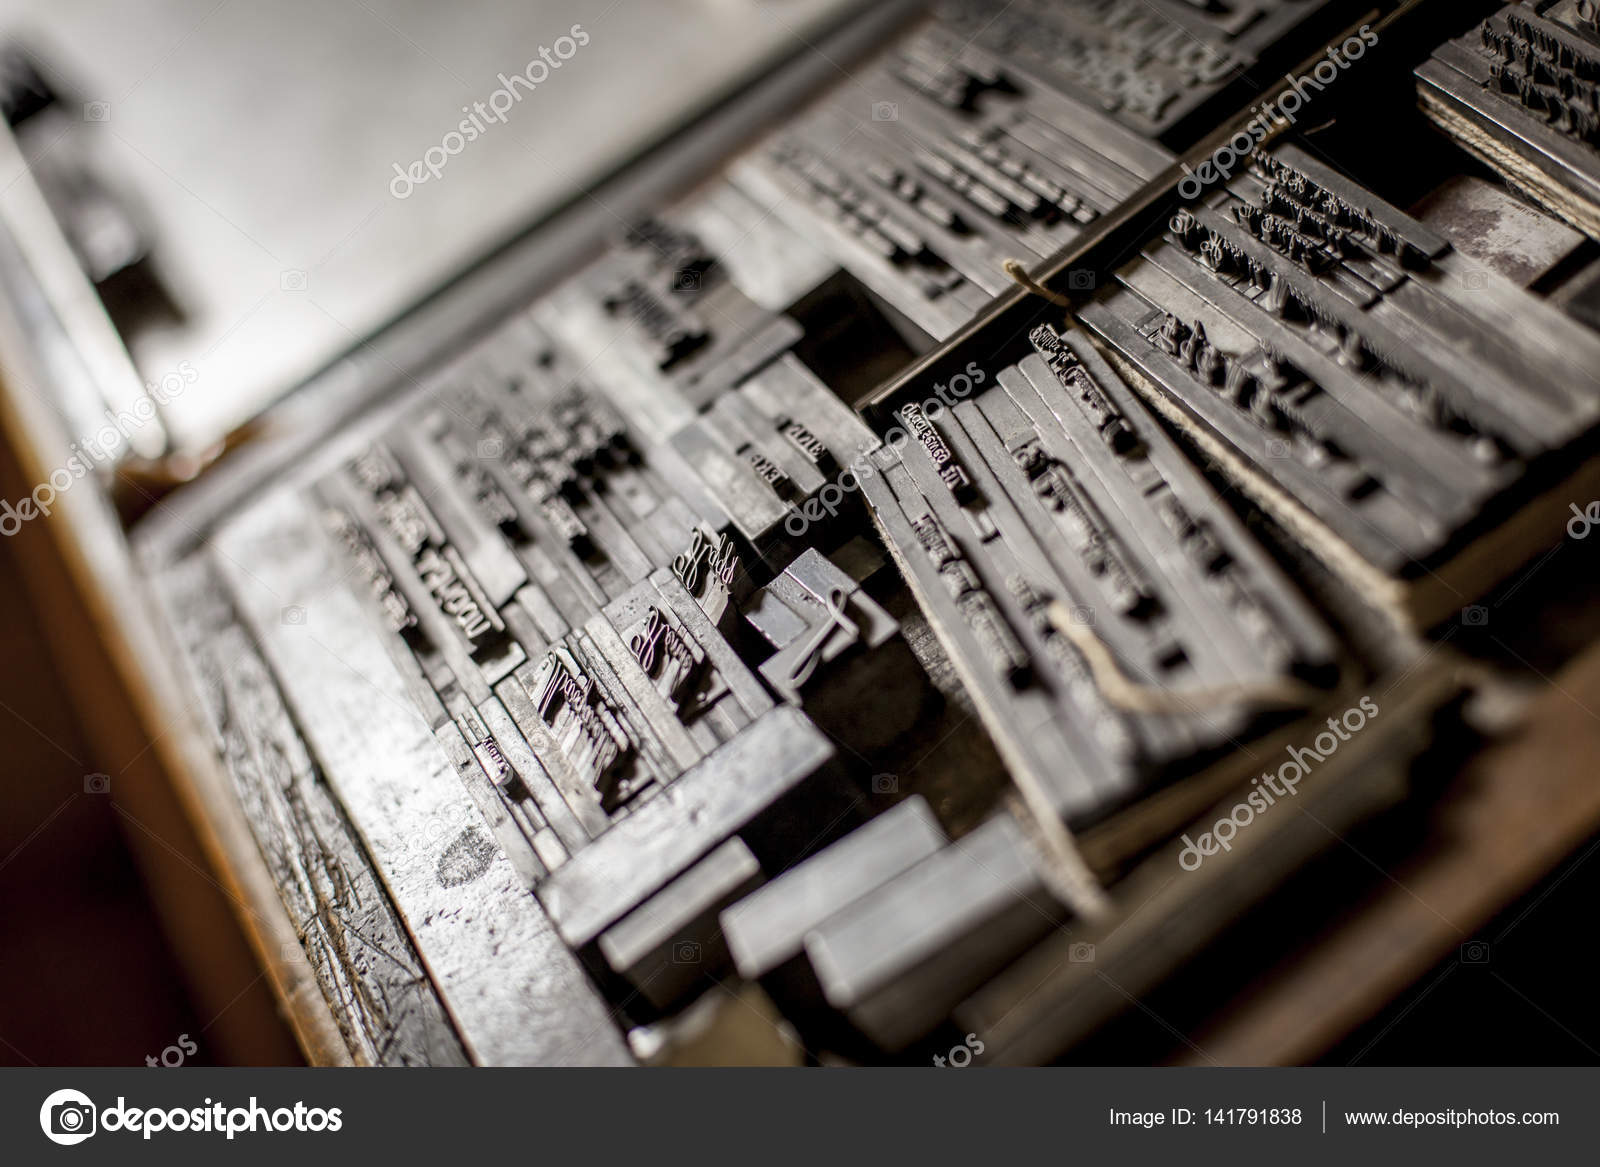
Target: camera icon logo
[(885, 783), (686, 280), (1080, 280), (1083, 616), (1475, 952), (294, 614), (97, 783), (1081, 954), (686, 952), (1277, 448), (97, 111), (885, 111), (293, 280), (1476, 616), (1476, 281), (490, 449), (67, 1117)]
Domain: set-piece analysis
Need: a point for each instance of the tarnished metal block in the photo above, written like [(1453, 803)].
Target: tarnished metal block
[(1148, 63), (945, 159), (1522, 92), (1038, 505), (895, 962), (1384, 395)]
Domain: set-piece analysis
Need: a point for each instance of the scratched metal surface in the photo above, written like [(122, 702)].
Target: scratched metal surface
[(515, 993), (355, 940)]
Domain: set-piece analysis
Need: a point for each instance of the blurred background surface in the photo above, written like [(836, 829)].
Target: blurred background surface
[(261, 139)]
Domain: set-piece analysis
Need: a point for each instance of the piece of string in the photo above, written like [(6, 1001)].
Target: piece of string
[(1283, 693), (1018, 273)]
